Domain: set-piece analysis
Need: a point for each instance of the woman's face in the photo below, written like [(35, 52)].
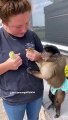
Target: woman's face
[(18, 24)]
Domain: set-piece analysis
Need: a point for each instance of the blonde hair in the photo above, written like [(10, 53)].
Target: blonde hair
[(10, 8)]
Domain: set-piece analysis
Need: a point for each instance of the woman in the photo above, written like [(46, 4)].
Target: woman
[(19, 90)]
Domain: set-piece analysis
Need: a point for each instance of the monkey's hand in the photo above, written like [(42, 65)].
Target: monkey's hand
[(35, 73), (31, 71)]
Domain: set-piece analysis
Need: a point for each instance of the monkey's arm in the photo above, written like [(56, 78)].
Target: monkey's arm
[(45, 73), (35, 73)]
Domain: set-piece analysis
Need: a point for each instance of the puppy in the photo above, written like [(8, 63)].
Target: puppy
[(51, 68)]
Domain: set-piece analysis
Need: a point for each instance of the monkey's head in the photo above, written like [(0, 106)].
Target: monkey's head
[(50, 52)]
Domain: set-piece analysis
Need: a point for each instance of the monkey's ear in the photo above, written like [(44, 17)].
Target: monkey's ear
[(56, 55), (53, 58)]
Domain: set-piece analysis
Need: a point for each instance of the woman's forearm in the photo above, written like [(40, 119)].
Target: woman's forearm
[(3, 68)]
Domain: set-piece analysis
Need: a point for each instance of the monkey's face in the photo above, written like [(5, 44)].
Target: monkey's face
[(46, 55)]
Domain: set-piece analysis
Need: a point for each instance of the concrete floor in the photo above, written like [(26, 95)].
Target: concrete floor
[(64, 107)]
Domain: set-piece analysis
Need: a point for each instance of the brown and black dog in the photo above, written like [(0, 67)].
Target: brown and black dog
[(51, 68)]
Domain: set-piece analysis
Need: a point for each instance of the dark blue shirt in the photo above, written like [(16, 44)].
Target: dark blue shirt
[(17, 86)]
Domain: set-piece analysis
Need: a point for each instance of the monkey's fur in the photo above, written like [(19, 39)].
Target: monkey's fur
[(51, 68)]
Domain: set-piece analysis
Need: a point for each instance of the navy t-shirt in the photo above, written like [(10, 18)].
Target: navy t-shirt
[(17, 86)]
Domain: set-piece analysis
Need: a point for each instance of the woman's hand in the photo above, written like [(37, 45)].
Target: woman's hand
[(14, 64), (11, 64), (33, 55)]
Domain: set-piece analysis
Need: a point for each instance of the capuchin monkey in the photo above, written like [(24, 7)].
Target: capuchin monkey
[(51, 68)]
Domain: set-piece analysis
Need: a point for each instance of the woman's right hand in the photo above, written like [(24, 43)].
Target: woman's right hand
[(14, 64)]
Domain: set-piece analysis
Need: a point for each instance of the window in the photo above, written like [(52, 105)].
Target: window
[(38, 17), (56, 20), (50, 22)]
